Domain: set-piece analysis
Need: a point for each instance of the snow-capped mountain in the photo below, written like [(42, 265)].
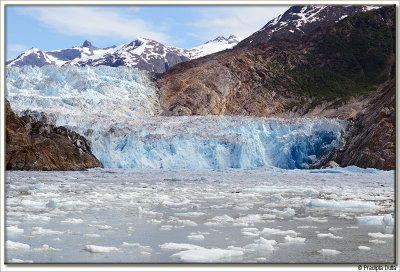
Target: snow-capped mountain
[(143, 54), (302, 19)]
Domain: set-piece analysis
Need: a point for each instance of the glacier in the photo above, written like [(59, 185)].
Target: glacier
[(117, 110)]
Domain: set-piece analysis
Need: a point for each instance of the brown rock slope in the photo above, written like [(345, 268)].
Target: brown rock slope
[(34, 145), (288, 77)]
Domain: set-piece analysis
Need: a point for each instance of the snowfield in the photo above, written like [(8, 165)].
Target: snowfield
[(156, 215)]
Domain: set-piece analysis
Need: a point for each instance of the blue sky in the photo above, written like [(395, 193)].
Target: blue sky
[(57, 27)]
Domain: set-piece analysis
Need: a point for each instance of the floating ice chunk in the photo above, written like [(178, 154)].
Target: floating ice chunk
[(306, 227), (376, 241), (384, 220), (46, 248), (166, 227), (334, 229), (13, 260), (16, 246), (250, 232), (94, 235), (249, 219), (288, 212), (100, 249), (333, 204), (268, 231), (101, 227), (125, 244), (261, 244), (217, 220), (205, 255), (34, 217), (268, 216), (183, 222), (365, 248), (273, 190), (297, 240), (247, 233), (189, 214), (196, 237), (51, 204), (72, 221), (176, 246), (380, 235), (328, 252), (14, 230), (42, 231), (145, 248), (285, 212), (328, 235)]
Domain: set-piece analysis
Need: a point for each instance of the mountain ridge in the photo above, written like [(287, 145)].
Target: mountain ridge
[(142, 53)]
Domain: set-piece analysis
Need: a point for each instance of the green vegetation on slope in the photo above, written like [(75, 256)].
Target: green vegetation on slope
[(351, 57)]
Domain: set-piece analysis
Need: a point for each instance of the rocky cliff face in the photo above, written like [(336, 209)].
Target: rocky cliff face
[(329, 72), (32, 144), (369, 142)]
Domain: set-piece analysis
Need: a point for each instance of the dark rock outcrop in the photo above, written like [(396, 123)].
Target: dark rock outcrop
[(34, 145), (369, 141)]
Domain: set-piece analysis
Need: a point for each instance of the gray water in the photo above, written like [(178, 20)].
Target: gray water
[(159, 216)]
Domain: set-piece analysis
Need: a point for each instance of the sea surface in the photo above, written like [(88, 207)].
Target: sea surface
[(263, 215)]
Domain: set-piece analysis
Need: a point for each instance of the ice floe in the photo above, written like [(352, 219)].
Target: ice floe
[(329, 252), (10, 245), (380, 235), (100, 249), (384, 220)]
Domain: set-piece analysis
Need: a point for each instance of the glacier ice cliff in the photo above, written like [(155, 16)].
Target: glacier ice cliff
[(117, 110)]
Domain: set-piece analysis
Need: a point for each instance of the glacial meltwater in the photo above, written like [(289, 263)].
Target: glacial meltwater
[(263, 215)]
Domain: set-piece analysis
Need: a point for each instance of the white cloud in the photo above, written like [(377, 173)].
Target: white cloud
[(95, 21), (219, 22), (239, 20)]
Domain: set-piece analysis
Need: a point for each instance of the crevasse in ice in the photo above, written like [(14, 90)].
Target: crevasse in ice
[(117, 108)]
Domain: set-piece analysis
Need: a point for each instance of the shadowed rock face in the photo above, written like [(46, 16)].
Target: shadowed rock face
[(34, 145), (370, 139)]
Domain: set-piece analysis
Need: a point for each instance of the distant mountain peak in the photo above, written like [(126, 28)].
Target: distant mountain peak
[(223, 39), (86, 43)]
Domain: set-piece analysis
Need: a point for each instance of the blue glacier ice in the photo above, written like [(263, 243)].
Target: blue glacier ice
[(216, 142), (117, 109)]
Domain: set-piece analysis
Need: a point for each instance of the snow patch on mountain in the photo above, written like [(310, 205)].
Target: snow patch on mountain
[(142, 53)]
